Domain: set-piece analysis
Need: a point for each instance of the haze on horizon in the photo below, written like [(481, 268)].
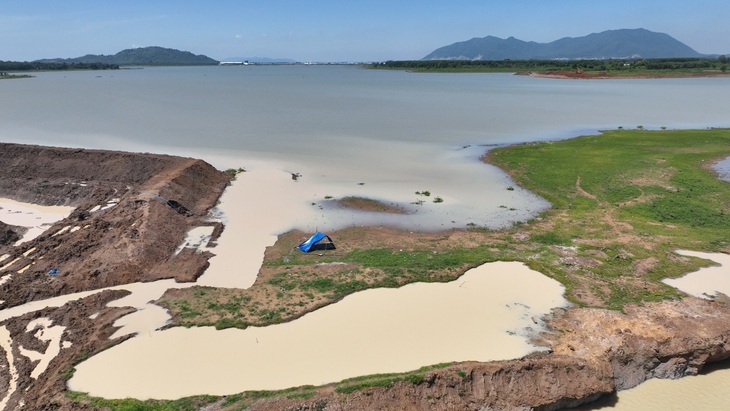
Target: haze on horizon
[(332, 30)]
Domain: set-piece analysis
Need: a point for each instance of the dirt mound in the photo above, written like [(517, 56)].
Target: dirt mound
[(133, 211)]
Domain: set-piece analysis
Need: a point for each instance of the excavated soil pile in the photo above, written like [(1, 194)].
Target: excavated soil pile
[(132, 212)]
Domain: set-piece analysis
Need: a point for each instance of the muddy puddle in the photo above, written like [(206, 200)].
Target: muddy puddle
[(487, 314)]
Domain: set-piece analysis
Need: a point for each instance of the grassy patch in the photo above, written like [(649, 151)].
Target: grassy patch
[(351, 385), (128, 404), (623, 197)]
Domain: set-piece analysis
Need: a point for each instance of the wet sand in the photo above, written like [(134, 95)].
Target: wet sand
[(484, 315), (6, 344)]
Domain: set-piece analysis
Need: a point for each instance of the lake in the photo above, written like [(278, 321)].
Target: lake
[(348, 130)]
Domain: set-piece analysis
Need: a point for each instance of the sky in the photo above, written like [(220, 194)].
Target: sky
[(336, 30)]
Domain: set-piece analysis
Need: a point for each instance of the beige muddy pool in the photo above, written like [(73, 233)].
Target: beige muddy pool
[(484, 315)]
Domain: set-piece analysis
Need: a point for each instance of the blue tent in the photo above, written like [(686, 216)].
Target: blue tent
[(313, 240)]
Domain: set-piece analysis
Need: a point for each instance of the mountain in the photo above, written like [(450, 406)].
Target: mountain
[(143, 56), (624, 43)]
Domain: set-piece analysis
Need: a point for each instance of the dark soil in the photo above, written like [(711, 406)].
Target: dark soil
[(159, 199)]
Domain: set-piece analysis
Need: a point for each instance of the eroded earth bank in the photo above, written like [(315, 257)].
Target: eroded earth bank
[(149, 203)]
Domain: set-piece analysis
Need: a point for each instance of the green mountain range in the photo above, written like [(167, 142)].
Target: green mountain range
[(143, 56), (624, 43)]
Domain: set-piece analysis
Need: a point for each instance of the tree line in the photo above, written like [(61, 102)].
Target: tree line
[(558, 65), (47, 66)]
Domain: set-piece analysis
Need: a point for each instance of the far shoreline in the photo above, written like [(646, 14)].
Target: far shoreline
[(581, 75)]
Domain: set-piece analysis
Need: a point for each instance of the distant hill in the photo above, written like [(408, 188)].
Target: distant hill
[(624, 43), (143, 56)]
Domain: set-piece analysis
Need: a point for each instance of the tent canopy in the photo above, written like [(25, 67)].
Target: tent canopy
[(310, 244)]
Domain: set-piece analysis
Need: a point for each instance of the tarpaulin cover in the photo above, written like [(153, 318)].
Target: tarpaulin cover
[(314, 239)]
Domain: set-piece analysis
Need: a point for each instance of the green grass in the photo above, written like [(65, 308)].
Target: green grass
[(696, 200), (416, 377), (128, 404), (651, 185)]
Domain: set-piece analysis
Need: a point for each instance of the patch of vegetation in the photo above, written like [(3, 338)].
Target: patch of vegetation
[(624, 197), (235, 172), (4, 75), (367, 204), (128, 404), (351, 385), (53, 66), (613, 67)]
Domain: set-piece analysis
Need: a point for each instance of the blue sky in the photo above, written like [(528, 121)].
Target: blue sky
[(330, 30)]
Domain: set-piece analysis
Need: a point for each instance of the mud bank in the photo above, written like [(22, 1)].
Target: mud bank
[(131, 213)]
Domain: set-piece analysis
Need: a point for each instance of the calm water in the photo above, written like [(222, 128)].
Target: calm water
[(723, 169), (347, 130), (316, 111)]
